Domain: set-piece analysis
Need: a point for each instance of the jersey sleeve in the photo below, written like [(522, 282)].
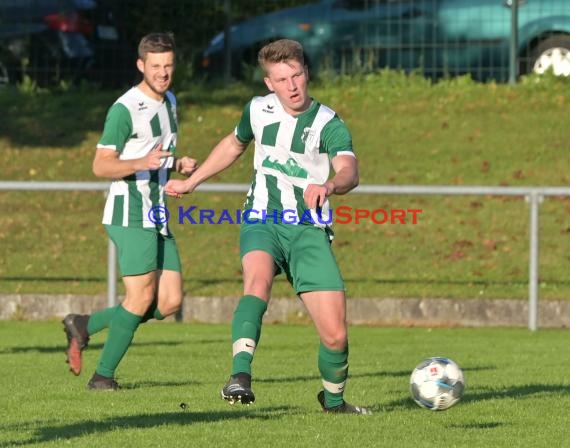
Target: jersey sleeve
[(244, 131), (118, 128), (336, 138)]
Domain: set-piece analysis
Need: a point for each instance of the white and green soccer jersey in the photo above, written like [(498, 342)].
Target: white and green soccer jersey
[(135, 124), (291, 152)]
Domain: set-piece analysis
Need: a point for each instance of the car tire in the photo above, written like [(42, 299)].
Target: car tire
[(552, 53)]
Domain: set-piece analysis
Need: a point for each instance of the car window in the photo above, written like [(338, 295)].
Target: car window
[(85, 4), (364, 4)]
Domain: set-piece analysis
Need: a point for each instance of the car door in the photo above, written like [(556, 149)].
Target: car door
[(473, 38), (371, 34)]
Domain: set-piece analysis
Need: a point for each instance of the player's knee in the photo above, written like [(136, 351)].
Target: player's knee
[(138, 302), (170, 304), (335, 340), (261, 289)]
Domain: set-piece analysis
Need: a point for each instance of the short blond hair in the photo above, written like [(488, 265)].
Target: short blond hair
[(282, 50), (156, 43)]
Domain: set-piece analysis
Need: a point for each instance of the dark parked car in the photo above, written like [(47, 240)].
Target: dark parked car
[(436, 37), (55, 40)]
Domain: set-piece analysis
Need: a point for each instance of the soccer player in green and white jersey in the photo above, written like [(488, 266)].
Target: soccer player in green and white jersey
[(285, 226), (137, 151)]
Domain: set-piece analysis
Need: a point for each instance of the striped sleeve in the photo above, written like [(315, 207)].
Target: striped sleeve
[(244, 131), (336, 138), (118, 128)]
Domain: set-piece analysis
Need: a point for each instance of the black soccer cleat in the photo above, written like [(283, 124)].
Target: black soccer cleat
[(238, 389), (344, 408), (75, 327), (100, 382)]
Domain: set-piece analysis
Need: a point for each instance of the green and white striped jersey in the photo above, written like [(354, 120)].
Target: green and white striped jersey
[(291, 152), (135, 124)]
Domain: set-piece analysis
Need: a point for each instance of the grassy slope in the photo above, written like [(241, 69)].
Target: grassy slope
[(405, 132)]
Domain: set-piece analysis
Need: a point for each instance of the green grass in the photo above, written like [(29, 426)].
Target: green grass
[(405, 131), (517, 393)]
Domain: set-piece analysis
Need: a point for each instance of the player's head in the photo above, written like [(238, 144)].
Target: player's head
[(286, 74), (156, 43), (283, 50), (156, 61)]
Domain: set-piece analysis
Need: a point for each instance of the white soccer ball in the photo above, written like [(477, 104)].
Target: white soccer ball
[(437, 383)]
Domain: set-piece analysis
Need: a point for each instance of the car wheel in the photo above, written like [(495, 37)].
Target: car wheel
[(552, 54)]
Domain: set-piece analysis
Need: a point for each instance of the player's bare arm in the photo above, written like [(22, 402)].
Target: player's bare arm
[(108, 165), (226, 152), (345, 179)]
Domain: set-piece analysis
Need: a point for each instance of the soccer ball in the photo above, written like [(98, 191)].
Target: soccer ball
[(437, 383)]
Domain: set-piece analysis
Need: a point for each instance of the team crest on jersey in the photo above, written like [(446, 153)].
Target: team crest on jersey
[(310, 139)]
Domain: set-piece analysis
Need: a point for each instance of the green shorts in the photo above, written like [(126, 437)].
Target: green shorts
[(144, 250), (302, 252)]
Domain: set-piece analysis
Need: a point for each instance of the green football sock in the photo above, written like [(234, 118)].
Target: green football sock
[(246, 331), (333, 365), (152, 313), (121, 331), (100, 320)]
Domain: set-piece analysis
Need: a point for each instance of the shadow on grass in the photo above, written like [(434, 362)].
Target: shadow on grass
[(44, 120), (316, 377), (65, 433), (62, 348), (474, 395), (377, 374), (516, 392), (53, 279), (488, 425), (150, 384)]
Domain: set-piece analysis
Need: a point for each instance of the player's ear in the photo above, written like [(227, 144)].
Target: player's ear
[(140, 65), (268, 84)]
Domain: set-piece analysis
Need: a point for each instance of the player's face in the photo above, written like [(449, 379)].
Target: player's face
[(289, 80), (157, 70)]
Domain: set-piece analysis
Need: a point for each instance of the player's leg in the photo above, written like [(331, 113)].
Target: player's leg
[(78, 328), (258, 271), (137, 253), (317, 279), (169, 294), (328, 312), (140, 291), (258, 264)]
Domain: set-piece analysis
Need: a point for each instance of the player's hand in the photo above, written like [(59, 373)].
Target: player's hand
[(154, 159), (315, 195), (186, 166), (176, 188)]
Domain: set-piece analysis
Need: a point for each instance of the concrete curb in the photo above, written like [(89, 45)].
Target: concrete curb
[(394, 312)]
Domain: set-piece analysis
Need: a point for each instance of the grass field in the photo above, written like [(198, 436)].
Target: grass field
[(405, 132), (518, 391)]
